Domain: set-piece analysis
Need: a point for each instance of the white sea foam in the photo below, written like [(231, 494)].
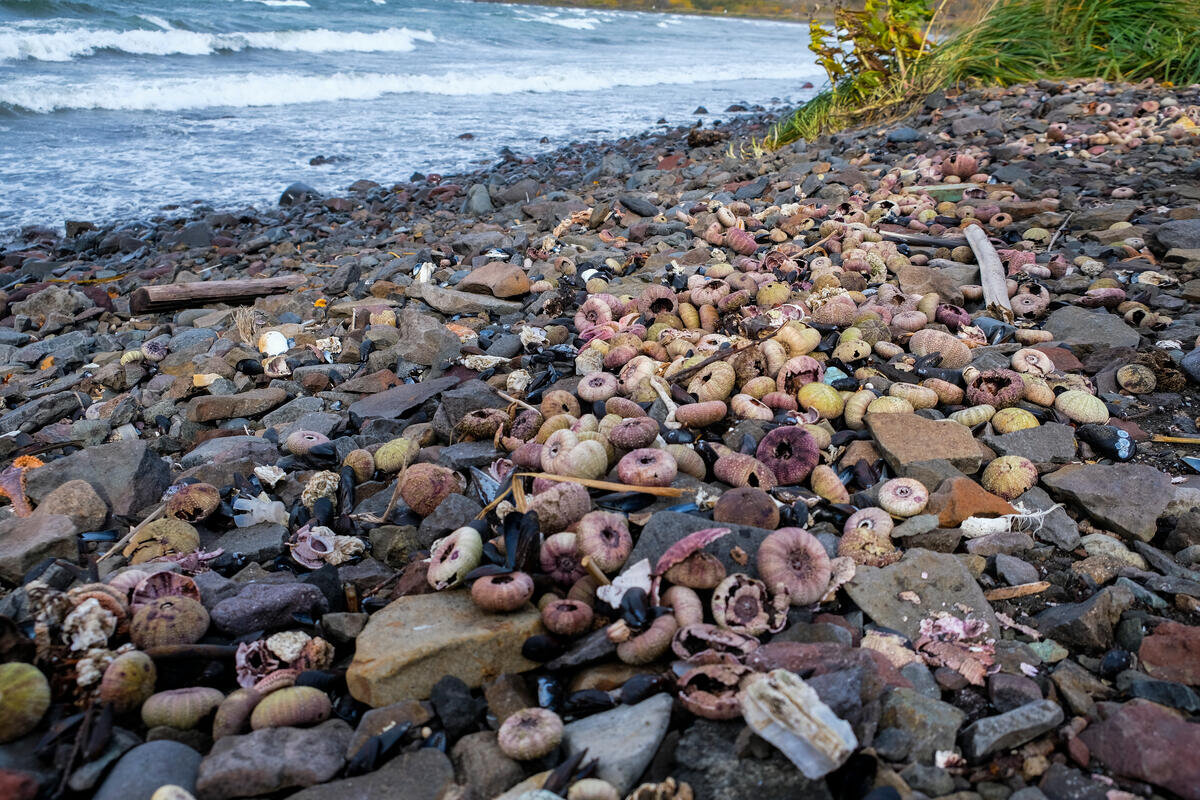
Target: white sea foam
[(156, 20), (64, 45), (293, 3), (279, 89), (553, 18)]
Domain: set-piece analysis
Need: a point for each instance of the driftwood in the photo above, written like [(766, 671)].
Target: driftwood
[(991, 270), (183, 295), (921, 239)]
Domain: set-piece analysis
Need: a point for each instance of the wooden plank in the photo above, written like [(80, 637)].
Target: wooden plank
[(185, 295)]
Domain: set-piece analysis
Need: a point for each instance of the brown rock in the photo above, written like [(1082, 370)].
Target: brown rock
[(916, 279), (268, 760), (399, 399), (452, 301), (959, 498), (79, 501), (1146, 741), (415, 641), (25, 541), (482, 767), (498, 278), (1172, 653), (424, 774), (229, 406), (907, 440), (378, 720), (506, 695)]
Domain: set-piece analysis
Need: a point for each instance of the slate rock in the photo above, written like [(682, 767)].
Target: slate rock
[(231, 449), (906, 440), (453, 301), (1056, 525), (454, 706), (148, 766), (1010, 729), (410, 644), (424, 774), (250, 403), (1014, 571), (399, 400), (378, 720), (451, 514), (127, 475), (1078, 687), (259, 606), (1182, 234), (1075, 325), (261, 542), (1126, 498), (624, 739), (298, 193), (939, 579), (423, 337), (1049, 443), (1087, 625), (667, 527), (271, 759), (707, 760), (1172, 653)]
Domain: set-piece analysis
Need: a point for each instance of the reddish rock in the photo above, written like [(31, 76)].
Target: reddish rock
[(1062, 358), (498, 278), (959, 498), (210, 408), (1172, 653), (16, 785), (906, 440), (1148, 742)]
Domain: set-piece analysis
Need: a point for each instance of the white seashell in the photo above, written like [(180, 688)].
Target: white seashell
[(974, 527), (272, 343), (783, 709), (588, 361), (518, 381)]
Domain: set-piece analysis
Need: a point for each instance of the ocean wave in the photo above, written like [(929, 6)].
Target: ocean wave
[(552, 18), (18, 44), (292, 3), (279, 89)]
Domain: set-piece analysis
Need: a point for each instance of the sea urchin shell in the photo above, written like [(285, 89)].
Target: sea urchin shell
[(530, 733), (794, 560)]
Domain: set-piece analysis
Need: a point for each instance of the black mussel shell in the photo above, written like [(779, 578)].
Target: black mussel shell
[(542, 648), (1108, 440)]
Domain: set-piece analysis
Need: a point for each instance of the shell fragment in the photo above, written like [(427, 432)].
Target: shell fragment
[(789, 714)]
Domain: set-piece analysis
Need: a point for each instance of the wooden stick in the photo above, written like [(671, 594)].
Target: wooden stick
[(991, 270), (921, 239), (1158, 437), (183, 295), (660, 491), (1011, 592)]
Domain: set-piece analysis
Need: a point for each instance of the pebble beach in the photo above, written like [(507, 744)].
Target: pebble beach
[(661, 467)]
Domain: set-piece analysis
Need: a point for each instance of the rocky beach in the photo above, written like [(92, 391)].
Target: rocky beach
[(659, 468)]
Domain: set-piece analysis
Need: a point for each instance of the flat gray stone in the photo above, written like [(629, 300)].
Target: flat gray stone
[(1010, 729), (1075, 325), (665, 528), (420, 775), (931, 723), (148, 766), (1125, 498), (1051, 443), (624, 739), (127, 475), (940, 580), (1056, 526)]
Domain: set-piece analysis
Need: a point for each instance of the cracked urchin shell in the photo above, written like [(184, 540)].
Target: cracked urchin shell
[(747, 505), (604, 538), (293, 706), (480, 424), (180, 708), (999, 388), (162, 584), (658, 299), (24, 699), (1009, 476), (558, 402), (452, 557), (500, 594), (593, 311), (713, 382), (790, 452), (193, 502), (741, 604), (651, 643), (872, 517), (129, 680), (162, 537), (700, 640), (868, 547), (739, 469), (560, 505), (647, 467), (167, 621), (530, 733), (794, 560), (697, 571), (425, 486), (903, 497), (711, 690)]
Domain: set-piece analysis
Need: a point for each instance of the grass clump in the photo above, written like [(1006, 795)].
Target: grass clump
[(1011, 41)]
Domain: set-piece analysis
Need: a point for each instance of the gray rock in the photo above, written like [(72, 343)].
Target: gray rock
[(478, 200), (194, 234), (37, 414), (298, 193), (1075, 325), (271, 759), (127, 475), (292, 411), (261, 542), (639, 205), (259, 606), (87, 776), (456, 403), (1014, 571), (1001, 542), (423, 337), (707, 759), (451, 514), (1056, 526), (148, 766), (467, 454), (423, 774), (1010, 729), (926, 778), (26, 541), (623, 739), (904, 135), (1078, 687), (231, 448), (1182, 234), (931, 724), (667, 527), (398, 400), (452, 301), (939, 579), (215, 587), (1126, 498), (1008, 691), (1087, 625), (1051, 443)]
